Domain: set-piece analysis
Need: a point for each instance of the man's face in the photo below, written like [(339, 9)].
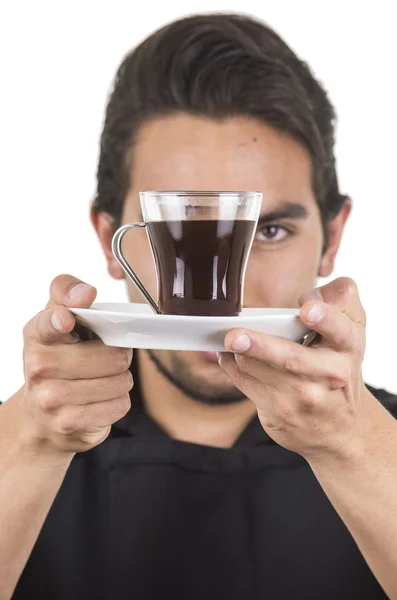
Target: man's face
[(185, 152)]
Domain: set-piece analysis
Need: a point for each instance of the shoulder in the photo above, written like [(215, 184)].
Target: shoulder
[(386, 398)]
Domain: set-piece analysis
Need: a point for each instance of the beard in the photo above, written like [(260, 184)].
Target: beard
[(182, 376)]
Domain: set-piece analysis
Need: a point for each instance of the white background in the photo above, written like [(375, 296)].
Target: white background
[(57, 63)]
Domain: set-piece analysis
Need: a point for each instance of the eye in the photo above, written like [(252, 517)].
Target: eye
[(272, 233)]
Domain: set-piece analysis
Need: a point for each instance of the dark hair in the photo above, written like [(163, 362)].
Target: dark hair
[(217, 65)]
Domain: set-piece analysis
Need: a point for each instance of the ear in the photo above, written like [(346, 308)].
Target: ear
[(335, 229), (104, 227)]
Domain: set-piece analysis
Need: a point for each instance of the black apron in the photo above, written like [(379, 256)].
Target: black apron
[(146, 517)]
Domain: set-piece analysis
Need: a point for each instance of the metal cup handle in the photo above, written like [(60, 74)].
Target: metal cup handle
[(116, 248)]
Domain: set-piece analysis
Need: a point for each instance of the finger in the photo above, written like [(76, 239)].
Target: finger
[(247, 384), (85, 418), (51, 326), (87, 360), (341, 293), (336, 328), (67, 290), (263, 352), (279, 408), (251, 387), (57, 393)]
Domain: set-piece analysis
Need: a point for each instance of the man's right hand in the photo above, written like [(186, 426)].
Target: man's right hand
[(74, 390)]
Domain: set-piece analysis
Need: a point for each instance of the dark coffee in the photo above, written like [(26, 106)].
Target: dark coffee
[(200, 264)]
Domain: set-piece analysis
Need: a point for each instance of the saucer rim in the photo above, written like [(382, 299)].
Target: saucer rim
[(286, 313)]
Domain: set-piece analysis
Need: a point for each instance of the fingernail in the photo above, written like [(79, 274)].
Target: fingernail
[(315, 314), (56, 322), (242, 343), (219, 357), (78, 290)]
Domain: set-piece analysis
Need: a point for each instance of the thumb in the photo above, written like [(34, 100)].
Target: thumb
[(342, 293), (66, 290)]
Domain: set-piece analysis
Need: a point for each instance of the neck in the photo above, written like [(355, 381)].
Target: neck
[(188, 420)]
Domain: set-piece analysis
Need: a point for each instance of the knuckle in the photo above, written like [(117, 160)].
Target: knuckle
[(67, 427), (124, 404), (348, 287), (50, 397), (337, 381), (310, 395), (122, 384), (308, 403), (118, 408), (90, 440), (129, 380), (122, 359), (40, 363), (35, 365), (30, 329), (59, 284), (70, 422), (292, 363)]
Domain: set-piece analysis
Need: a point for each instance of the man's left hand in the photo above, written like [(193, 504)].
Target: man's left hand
[(310, 399)]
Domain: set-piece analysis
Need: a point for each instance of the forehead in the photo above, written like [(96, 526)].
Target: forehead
[(238, 153)]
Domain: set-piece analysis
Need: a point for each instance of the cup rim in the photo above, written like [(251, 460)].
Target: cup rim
[(199, 193)]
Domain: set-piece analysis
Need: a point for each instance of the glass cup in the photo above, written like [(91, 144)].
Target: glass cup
[(200, 242)]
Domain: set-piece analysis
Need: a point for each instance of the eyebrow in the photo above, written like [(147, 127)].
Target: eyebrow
[(288, 210)]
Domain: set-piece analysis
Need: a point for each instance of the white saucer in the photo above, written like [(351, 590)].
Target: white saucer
[(130, 325)]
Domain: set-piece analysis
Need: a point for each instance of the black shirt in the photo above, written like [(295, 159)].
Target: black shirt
[(145, 517)]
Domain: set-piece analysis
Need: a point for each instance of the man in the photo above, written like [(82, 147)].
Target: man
[(271, 476)]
